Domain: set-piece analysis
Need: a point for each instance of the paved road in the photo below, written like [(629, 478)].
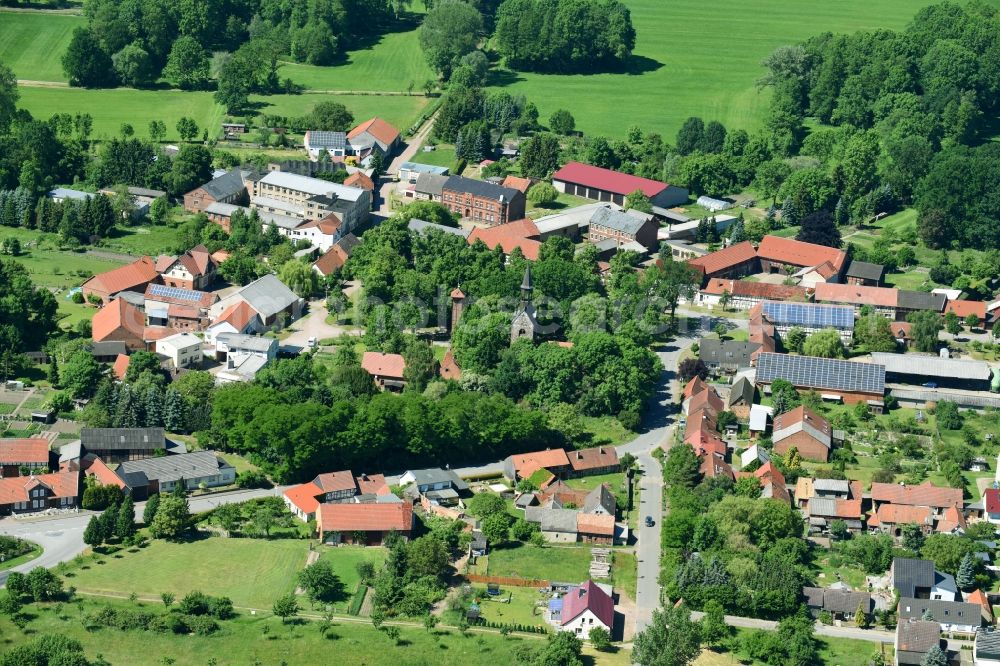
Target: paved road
[(853, 633), (61, 537), (314, 325), (412, 146)]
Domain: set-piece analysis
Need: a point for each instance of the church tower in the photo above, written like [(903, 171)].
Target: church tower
[(524, 324), (457, 306)]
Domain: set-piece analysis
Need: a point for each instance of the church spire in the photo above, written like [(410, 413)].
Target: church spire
[(526, 288)]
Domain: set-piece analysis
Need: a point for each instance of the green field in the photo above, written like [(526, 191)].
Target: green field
[(263, 639), (32, 43), (696, 60), (568, 564), (399, 110), (252, 572), (345, 559), (111, 108)]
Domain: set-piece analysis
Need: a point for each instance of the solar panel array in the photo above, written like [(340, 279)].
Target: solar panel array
[(174, 292), (808, 315), (821, 373)]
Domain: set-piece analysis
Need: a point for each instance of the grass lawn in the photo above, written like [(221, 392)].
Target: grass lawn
[(560, 563), (252, 572), (562, 201), (704, 63), (263, 639), (399, 110), (345, 560), (142, 239), (615, 480), (838, 651), (442, 155), (521, 608), (852, 575), (32, 43), (624, 574), (35, 551), (605, 431), (111, 108)]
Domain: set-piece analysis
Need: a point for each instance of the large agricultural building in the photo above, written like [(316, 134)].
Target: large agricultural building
[(590, 182), (836, 379), (921, 369)]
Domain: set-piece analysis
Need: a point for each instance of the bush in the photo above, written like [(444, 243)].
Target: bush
[(221, 608), (252, 479), (201, 625), (194, 603)]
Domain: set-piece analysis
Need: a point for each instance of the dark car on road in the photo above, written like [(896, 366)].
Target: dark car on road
[(649, 521)]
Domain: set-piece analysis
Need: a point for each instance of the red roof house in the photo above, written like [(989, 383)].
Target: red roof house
[(776, 252), (119, 321), (366, 524), (521, 234), (585, 607), (24, 494), (591, 182), (32, 452), (305, 499), (734, 261), (131, 277), (385, 369)]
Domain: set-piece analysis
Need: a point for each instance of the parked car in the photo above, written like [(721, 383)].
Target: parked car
[(930, 385), (649, 521), (312, 343)]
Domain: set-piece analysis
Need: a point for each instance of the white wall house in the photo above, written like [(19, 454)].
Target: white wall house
[(183, 350)]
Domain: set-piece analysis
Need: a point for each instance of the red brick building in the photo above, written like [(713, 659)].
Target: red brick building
[(482, 201), (120, 321), (781, 255), (734, 261), (623, 227), (228, 188), (804, 430)]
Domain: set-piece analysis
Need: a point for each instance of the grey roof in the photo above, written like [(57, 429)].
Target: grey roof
[(478, 540), (133, 298), (224, 209), (480, 188), (69, 451), (65, 193), (987, 644), (931, 365), (944, 612), (823, 506), (109, 348), (602, 497), (421, 226), (741, 392), (814, 596), (119, 439), (526, 500), (268, 295), (962, 399), (225, 186), (432, 475), (325, 139), (727, 352), (256, 343), (909, 573), (172, 468), (917, 636), (832, 485), (920, 300), (945, 581), (865, 271), (430, 183), (423, 168), (845, 601), (556, 520), (618, 220), (822, 373)]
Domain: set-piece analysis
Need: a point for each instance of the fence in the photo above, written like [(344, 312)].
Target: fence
[(507, 580)]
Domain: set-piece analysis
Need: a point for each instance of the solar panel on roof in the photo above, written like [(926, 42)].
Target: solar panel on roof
[(811, 316), (825, 373), (174, 292)]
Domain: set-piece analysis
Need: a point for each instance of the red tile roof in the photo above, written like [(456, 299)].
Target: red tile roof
[(965, 308), (696, 385), (378, 128), (518, 234), (707, 399), (120, 368), (62, 484), (238, 315), (303, 496), (900, 329), (898, 514), (332, 261), (328, 225), (183, 312), (799, 253), (950, 520), (598, 457), (925, 494), (449, 367), (372, 484), (598, 524), (153, 333), (856, 294), (517, 183), (384, 365), (762, 290), (801, 414), (365, 517), (94, 467), (724, 259), (205, 298), (526, 464), (131, 276), (607, 180), (713, 466), (116, 315), (333, 482), (588, 597), (359, 179), (26, 451), (992, 500), (978, 597)]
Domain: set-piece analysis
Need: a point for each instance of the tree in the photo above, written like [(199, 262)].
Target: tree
[(952, 323), (713, 627), (600, 638), (542, 194), (539, 155), (286, 607), (639, 201), (171, 519), (691, 135), (820, 229), (972, 321), (873, 333), (795, 339), (133, 65), (563, 649), (85, 61), (681, 468), (17, 585), (187, 128), (44, 584), (912, 537), (8, 97), (450, 30), (966, 577), (157, 131), (784, 397), (562, 122), (191, 167), (496, 528), (824, 344), (93, 534), (486, 504), (935, 657), (690, 368), (672, 639), (330, 116), (149, 511), (924, 329), (299, 277), (80, 374), (320, 582), (838, 530), (188, 64), (125, 522)]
